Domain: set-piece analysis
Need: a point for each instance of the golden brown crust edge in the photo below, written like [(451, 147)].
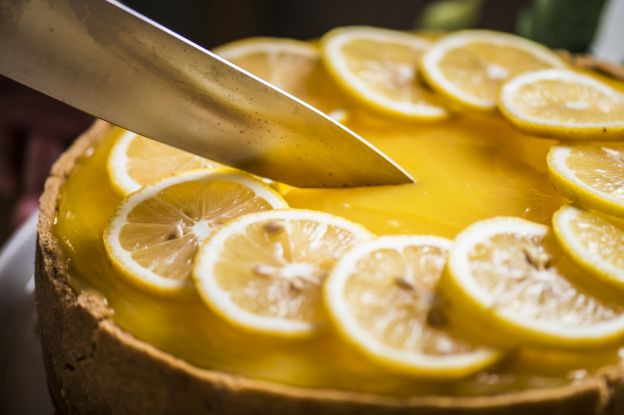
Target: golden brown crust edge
[(603, 67), (94, 367)]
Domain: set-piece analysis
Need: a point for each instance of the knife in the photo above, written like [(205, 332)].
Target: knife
[(109, 61)]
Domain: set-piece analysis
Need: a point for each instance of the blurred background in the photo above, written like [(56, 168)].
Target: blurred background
[(34, 129)]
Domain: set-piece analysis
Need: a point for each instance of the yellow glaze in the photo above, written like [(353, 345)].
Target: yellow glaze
[(467, 168)]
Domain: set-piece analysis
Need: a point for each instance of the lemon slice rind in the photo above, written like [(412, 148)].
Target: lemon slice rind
[(409, 362), (238, 48), (442, 84), (119, 175), (566, 181), (146, 278), (219, 300), (331, 45), (569, 130), (579, 253), (467, 291)]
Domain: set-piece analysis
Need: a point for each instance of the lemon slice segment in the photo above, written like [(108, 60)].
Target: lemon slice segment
[(263, 272), (504, 271), (154, 234), (136, 161), (470, 66), (563, 104), (294, 66), (593, 241), (378, 67), (381, 298), (590, 174)]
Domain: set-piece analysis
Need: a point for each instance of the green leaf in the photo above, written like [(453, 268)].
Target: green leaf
[(450, 14), (561, 24)]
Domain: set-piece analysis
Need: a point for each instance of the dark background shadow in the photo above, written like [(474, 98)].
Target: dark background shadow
[(211, 23)]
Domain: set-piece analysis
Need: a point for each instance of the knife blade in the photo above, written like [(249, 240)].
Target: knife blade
[(109, 61)]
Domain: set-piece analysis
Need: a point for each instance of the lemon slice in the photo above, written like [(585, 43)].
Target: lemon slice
[(470, 66), (590, 174), (504, 271), (564, 104), (378, 67), (136, 161), (291, 65), (155, 232), (594, 242), (263, 272), (381, 298)]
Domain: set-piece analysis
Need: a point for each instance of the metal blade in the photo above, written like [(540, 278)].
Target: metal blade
[(107, 60)]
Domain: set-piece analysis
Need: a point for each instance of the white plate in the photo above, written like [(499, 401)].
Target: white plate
[(23, 388)]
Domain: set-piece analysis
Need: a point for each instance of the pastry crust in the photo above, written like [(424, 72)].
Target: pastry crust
[(95, 367)]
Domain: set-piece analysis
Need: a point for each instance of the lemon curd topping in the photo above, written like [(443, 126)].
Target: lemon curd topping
[(466, 169)]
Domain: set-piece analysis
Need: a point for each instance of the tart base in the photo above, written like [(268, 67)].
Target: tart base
[(95, 367)]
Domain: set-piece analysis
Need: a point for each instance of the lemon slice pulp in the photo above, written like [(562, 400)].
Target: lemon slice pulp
[(154, 234), (136, 161), (263, 272), (378, 67), (503, 270), (590, 174), (564, 104), (381, 298), (470, 66), (291, 65), (593, 241)]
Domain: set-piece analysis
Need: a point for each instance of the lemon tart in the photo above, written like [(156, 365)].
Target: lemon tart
[(213, 291)]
